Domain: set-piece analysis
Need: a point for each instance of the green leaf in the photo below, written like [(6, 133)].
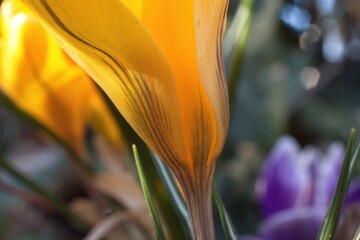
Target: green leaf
[(176, 197), (159, 231), (228, 226), (357, 234), (332, 217), (235, 44)]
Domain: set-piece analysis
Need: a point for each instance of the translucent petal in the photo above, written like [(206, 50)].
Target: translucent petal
[(122, 57), (210, 20), (40, 78), (152, 59), (189, 33)]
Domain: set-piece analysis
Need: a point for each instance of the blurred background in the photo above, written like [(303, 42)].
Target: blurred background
[(300, 76)]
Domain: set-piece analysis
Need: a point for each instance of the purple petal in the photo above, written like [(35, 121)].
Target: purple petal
[(307, 161), (249, 237), (286, 179), (353, 195), (294, 224), (327, 174)]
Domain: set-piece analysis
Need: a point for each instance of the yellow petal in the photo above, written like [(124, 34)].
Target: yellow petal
[(150, 58), (39, 77), (122, 57), (23, 56), (189, 34), (210, 18)]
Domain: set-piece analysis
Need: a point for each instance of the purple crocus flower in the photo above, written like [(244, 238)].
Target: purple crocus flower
[(293, 224), (295, 189), (286, 178), (293, 178), (353, 195)]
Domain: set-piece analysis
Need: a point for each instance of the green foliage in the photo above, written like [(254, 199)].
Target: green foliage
[(332, 217), (236, 40), (228, 226), (144, 183), (357, 234), (176, 198)]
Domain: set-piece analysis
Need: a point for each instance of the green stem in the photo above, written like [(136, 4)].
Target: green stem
[(56, 202), (198, 199)]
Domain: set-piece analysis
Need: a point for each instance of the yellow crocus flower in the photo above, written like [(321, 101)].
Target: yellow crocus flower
[(45, 82), (160, 62)]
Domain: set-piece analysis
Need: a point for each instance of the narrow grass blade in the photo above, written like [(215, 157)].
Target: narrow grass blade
[(228, 226), (176, 198), (156, 185), (331, 220), (159, 230), (235, 41), (357, 234)]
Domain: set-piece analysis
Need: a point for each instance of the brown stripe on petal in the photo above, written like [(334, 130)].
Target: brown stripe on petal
[(152, 118), (143, 106), (210, 23), (202, 142), (146, 113), (224, 99), (149, 113), (159, 122)]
